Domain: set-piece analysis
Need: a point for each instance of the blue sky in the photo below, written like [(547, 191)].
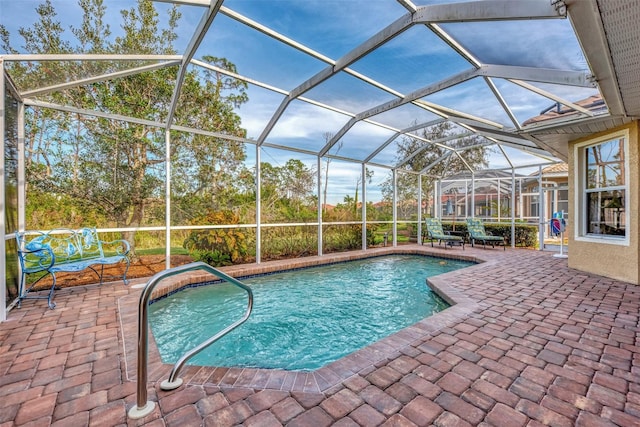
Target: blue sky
[(414, 59)]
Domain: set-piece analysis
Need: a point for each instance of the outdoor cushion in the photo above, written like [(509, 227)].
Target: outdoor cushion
[(435, 232), (477, 232)]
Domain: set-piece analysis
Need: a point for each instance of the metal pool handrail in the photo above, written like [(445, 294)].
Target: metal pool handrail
[(143, 406)]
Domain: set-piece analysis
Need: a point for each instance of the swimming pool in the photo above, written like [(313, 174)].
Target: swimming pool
[(302, 319)]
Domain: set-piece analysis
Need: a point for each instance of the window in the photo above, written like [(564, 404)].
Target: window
[(563, 199), (535, 206), (604, 189)]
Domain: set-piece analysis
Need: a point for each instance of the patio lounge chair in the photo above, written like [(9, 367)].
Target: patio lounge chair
[(435, 232), (477, 233)]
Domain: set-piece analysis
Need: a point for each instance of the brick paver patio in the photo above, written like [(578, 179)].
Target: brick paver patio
[(530, 343)]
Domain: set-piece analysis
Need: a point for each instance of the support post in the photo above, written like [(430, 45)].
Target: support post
[(513, 210), (473, 195), (541, 210), (419, 228), (319, 164), (258, 205), (499, 201), (436, 199), (22, 183), (3, 248), (364, 206), (167, 198), (395, 208)]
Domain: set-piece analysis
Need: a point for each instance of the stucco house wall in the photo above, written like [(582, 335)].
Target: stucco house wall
[(615, 260)]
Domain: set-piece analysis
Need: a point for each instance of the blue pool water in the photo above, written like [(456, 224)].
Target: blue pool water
[(303, 319)]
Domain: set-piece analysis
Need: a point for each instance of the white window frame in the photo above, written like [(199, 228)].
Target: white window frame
[(580, 202)]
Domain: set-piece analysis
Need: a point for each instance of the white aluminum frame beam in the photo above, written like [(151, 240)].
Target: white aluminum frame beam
[(194, 43), (454, 115), (397, 134), (453, 44), (467, 165), (541, 75), (549, 95), (503, 102), (438, 143), (144, 122), (435, 162), (490, 10), (93, 57), (187, 2), (291, 95), (460, 117), (9, 85), (452, 81), (3, 247), (510, 142), (108, 76), (375, 41)]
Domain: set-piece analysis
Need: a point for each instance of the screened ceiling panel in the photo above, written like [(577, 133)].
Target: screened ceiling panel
[(524, 103), (472, 97), (568, 93), (405, 116), (348, 93), (338, 32), (279, 158), (280, 65), (68, 13), (35, 78), (305, 126), (257, 111), (103, 101), (388, 155), (344, 180), (360, 141), (519, 43), (413, 59), (516, 158)]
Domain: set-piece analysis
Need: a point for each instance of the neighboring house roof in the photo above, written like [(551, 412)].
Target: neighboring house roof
[(557, 168), (593, 103), (381, 204)]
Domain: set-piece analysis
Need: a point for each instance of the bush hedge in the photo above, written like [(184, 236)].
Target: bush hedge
[(526, 234)]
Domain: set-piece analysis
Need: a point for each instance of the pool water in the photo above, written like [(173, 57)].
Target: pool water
[(302, 319)]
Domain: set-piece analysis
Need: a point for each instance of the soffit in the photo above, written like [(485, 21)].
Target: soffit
[(609, 35)]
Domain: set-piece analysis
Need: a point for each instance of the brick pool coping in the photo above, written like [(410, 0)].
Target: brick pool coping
[(317, 381)]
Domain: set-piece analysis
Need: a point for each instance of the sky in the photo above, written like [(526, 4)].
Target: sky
[(414, 59)]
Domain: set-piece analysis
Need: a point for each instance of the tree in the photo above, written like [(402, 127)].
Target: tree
[(327, 161), (439, 159), (367, 179), (287, 191), (117, 167)]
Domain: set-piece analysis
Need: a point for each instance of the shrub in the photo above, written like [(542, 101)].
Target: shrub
[(218, 246), (215, 258), (289, 242), (526, 234)]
